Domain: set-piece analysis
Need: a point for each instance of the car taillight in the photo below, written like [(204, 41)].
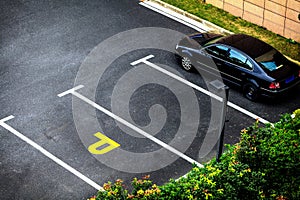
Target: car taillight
[(274, 85), (299, 73)]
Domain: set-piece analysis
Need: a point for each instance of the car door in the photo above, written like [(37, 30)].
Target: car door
[(218, 54), (237, 67)]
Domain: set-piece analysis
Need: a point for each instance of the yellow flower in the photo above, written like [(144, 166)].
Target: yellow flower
[(209, 167), (296, 114), (209, 181), (119, 181), (231, 169), (148, 192), (106, 186), (196, 187), (157, 190), (216, 172), (220, 191), (140, 192), (244, 131), (247, 170), (196, 169), (207, 195)]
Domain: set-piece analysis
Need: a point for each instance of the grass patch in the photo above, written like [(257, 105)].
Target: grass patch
[(235, 24)]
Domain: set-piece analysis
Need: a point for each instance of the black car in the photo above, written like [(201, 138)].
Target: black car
[(241, 60)]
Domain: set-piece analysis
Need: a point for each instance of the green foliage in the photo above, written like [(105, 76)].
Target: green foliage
[(263, 165), (225, 180), (142, 189), (112, 191), (274, 150)]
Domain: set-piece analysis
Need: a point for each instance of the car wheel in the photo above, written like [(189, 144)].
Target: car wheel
[(250, 91), (186, 63)]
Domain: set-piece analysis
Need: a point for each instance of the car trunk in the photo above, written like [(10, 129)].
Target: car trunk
[(285, 75)]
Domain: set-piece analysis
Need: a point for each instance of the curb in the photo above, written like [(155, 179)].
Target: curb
[(191, 16), (210, 25)]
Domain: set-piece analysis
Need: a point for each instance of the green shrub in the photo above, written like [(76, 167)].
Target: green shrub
[(274, 150), (142, 189), (263, 165), (225, 180)]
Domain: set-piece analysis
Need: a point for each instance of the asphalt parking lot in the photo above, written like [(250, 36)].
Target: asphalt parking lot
[(50, 47)]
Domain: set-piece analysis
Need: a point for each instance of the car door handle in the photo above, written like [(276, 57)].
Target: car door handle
[(243, 73)]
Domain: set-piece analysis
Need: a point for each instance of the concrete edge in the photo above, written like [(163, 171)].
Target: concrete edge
[(189, 15), (204, 22)]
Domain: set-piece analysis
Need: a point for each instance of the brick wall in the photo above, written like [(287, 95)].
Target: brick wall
[(279, 16)]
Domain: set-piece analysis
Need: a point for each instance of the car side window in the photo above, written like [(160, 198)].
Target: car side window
[(239, 59), (248, 65), (217, 50)]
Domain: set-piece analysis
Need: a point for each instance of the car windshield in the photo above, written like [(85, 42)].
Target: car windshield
[(271, 60)]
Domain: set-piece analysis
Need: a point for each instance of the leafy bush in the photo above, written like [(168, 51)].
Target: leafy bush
[(263, 165), (274, 150), (142, 189)]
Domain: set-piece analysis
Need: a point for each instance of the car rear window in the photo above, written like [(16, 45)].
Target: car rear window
[(271, 61)]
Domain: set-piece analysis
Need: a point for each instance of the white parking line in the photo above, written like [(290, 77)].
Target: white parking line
[(121, 120), (200, 89), (70, 91), (47, 153), (145, 60), (246, 112), (198, 27)]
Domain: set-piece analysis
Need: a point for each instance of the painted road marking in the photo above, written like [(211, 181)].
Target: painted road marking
[(145, 61), (246, 112), (124, 122), (70, 90), (97, 148), (200, 89), (198, 26), (175, 16), (47, 153)]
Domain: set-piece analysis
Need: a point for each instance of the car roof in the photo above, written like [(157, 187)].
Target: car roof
[(202, 38), (248, 44)]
